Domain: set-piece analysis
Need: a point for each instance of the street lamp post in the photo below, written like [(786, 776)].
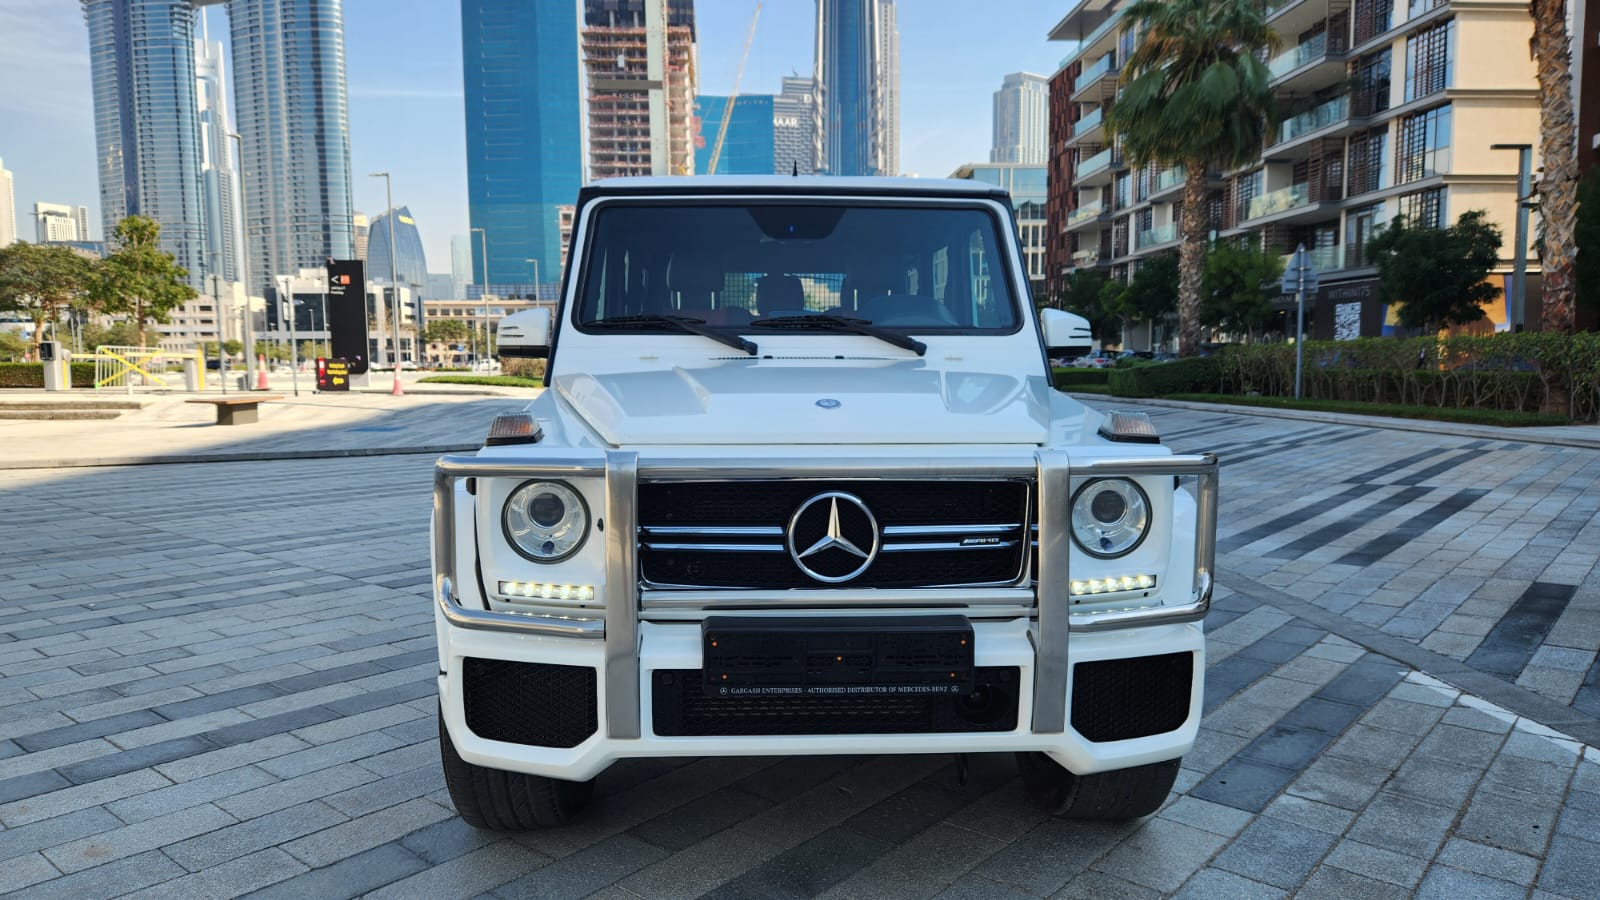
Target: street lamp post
[(249, 332), (294, 344), (394, 279), (222, 332), (1519, 265), (483, 251)]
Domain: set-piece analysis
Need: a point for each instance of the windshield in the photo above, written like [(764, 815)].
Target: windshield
[(907, 268)]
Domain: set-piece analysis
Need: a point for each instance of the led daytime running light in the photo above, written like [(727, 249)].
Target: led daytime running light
[(1113, 585), (538, 590)]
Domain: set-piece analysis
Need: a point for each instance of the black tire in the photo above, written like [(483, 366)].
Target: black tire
[(1122, 794), (508, 801)]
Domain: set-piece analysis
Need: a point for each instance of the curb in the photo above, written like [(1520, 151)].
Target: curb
[(236, 456), (1454, 429)]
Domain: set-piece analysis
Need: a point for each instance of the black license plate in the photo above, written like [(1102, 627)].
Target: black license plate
[(744, 656)]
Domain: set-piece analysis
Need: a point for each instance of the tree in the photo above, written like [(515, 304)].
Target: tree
[(445, 331), (1586, 242), (1195, 94), (1238, 288), (1152, 292), (139, 279), (42, 282), (116, 334), (13, 346), (1085, 294), (1558, 184), (1439, 277)]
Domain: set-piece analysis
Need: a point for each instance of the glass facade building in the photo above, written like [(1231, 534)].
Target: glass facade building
[(216, 158), (1027, 187), (524, 134), (146, 120), (857, 66), (410, 265), (293, 117), (748, 148)]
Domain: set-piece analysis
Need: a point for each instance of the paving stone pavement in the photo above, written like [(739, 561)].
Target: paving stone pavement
[(216, 680)]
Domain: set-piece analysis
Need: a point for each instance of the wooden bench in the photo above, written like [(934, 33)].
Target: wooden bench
[(236, 410)]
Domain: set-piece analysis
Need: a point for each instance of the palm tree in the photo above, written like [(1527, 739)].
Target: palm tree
[(1558, 185), (1195, 94)]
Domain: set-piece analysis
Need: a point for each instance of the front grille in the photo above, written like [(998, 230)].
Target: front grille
[(734, 534), (1117, 699), (681, 709), (529, 703)]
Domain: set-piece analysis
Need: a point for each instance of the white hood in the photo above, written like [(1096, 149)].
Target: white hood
[(765, 401)]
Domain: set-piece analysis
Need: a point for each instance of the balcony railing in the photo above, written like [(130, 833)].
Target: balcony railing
[(1297, 56), (1335, 110), (1089, 121), (1084, 213), (1323, 259), (1281, 200), (1168, 179), (1161, 234), (1102, 67), (1095, 163)]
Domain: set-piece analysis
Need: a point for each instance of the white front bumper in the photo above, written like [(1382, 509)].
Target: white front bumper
[(677, 646)]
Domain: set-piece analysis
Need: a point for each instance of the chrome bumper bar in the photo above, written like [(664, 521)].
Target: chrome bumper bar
[(620, 627), (1054, 578)]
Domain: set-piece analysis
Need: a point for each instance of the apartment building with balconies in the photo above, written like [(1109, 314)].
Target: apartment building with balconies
[(1389, 108)]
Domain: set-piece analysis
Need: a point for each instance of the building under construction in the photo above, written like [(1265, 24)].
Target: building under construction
[(639, 67)]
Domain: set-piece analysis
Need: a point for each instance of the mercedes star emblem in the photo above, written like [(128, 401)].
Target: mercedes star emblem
[(838, 534), (828, 403)]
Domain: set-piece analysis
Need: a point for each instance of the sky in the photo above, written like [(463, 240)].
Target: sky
[(403, 69)]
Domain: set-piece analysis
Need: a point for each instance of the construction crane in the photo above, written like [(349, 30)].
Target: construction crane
[(727, 111)]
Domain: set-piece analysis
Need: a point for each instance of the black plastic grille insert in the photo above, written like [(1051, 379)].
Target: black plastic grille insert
[(537, 704), (1117, 699), (681, 709)]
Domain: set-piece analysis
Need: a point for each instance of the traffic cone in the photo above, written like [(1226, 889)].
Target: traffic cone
[(398, 391), (261, 372)]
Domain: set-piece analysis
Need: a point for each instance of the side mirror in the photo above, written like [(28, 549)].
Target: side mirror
[(526, 334), (1066, 335)]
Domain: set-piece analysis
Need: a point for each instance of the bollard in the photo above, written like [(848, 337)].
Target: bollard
[(191, 375)]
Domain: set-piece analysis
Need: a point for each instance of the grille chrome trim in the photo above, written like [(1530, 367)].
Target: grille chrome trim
[(930, 530), (716, 548), (713, 530), (927, 546)]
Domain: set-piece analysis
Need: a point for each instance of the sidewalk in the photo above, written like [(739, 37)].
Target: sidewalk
[(166, 428), (1584, 436)]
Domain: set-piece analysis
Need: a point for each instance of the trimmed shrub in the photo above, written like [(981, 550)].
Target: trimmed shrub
[(1195, 375), (1070, 378), (31, 375)]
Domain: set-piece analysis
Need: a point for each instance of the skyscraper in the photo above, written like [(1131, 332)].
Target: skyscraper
[(747, 148), (216, 165), (635, 129), (80, 214), (146, 123), (289, 93), (524, 134), (460, 263), (794, 127), (8, 208), (362, 228), (53, 222), (889, 84), (411, 265), (1021, 113), (858, 72)]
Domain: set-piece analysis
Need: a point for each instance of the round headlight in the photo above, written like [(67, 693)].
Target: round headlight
[(545, 521), (1110, 517)]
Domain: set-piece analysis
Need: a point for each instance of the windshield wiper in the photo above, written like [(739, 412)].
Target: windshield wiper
[(843, 323), (687, 324)]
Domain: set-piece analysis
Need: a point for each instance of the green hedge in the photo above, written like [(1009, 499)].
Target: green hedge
[(31, 375), (492, 380), (1470, 416), (1068, 378), (1195, 375)]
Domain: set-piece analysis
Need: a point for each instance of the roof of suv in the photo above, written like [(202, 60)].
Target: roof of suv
[(806, 185)]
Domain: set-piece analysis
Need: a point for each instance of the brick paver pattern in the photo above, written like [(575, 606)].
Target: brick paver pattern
[(217, 680)]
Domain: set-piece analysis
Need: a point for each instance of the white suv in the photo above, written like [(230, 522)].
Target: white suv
[(800, 485)]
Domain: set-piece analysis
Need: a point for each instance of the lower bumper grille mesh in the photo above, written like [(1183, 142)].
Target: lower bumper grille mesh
[(529, 703), (680, 709), (1117, 699)]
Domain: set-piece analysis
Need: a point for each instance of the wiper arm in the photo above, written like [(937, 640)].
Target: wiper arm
[(844, 323), (687, 324)]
